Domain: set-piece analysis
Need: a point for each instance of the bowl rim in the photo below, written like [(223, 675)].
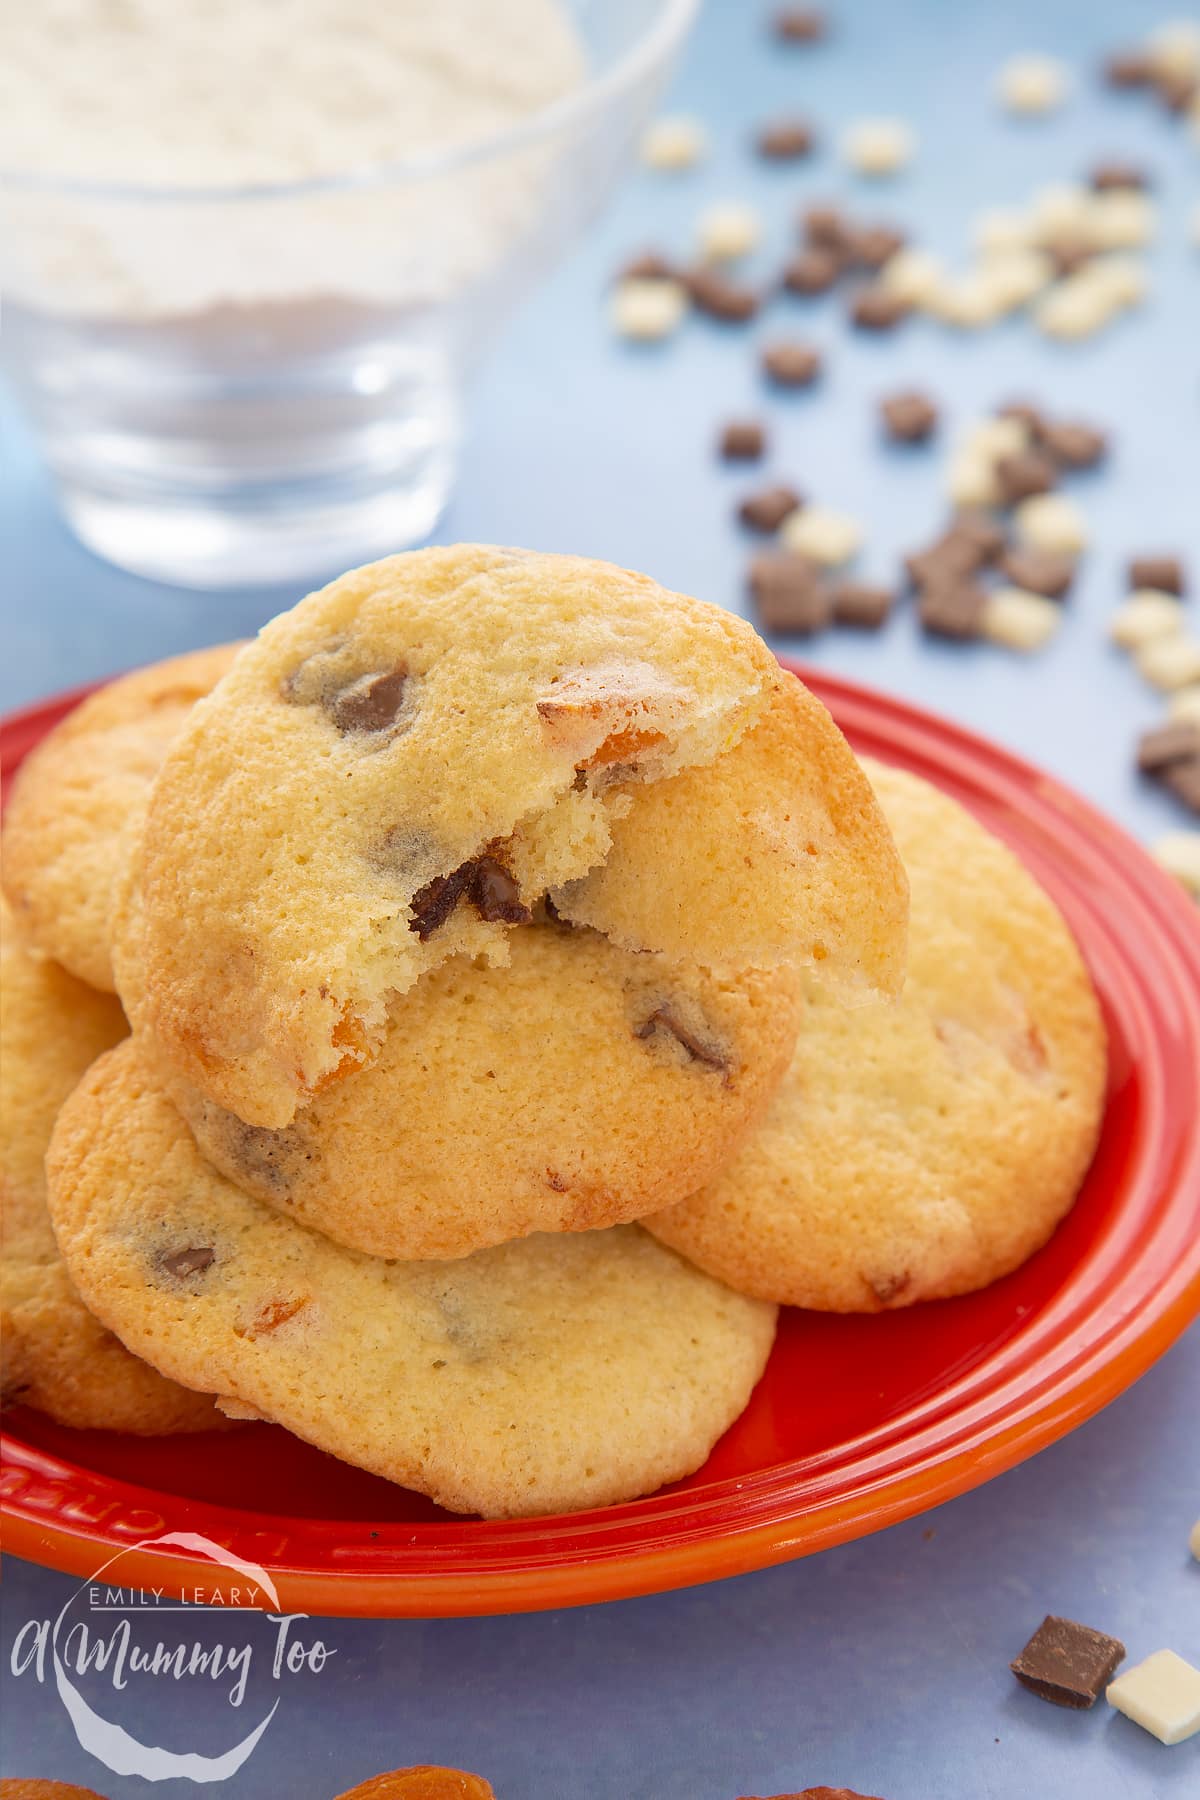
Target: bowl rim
[(650, 51)]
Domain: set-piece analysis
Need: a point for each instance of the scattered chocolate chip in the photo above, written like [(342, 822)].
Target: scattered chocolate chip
[(484, 882), (433, 904), (874, 245), (1026, 473), (495, 895), (791, 364), (714, 294), (1075, 446), (648, 266), (1183, 779), (196, 1259), (699, 1049), (969, 543), (789, 595), (1108, 175), (372, 703), (1068, 1663), (1039, 571), (1128, 69), (861, 604), (877, 308), (767, 510), (812, 271), (828, 228), (742, 440), (801, 25), (985, 536), (1162, 572), (1167, 744), (952, 609), (887, 1288), (785, 140), (1068, 255), (269, 1158), (908, 418)]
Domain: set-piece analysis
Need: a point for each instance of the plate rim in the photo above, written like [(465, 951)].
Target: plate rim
[(679, 1539)]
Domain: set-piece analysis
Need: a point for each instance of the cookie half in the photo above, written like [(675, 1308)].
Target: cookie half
[(562, 1371), (71, 799), (923, 1147), (56, 1356), (400, 769)]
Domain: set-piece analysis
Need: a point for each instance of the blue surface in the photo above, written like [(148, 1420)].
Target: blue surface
[(881, 1665)]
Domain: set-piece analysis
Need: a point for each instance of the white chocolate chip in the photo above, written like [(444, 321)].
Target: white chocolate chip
[(647, 309), (1174, 48), (1170, 662), (1161, 1694), (878, 146), (1120, 280), (828, 538), (913, 275), (997, 232), (1061, 210), (993, 438), (1032, 84), (1145, 616), (673, 143), (727, 231), (971, 480), (1179, 854), (1122, 219), (1051, 522), (1015, 276), (1020, 620), (1074, 309), (968, 301), (1183, 707)]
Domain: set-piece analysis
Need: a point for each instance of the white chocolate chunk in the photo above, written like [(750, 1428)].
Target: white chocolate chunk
[(727, 231), (647, 309), (1015, 276), (1051, 522), (913, 275), (1122, 219), (1174, 47), (1162, 1695), (878, 146), (1020, 620), (1032, 84), (1061, 210), (971, 480), (1179, 854), (1075, 308), (828, 538), (994, 438), (1145, 616), (1122, 280), (969, 301), (1183, 707), (673, 143), (996, 232), (1170, 662)]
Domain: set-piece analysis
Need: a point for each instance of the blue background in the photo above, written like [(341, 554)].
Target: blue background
[(881, 1665)]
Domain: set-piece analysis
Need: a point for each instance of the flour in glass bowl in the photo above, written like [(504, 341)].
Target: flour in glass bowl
[(184, 96)]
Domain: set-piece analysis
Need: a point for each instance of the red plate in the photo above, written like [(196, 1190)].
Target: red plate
[(857, 1422)]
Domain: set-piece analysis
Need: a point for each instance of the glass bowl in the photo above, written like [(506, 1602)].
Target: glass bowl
[(248, 385)]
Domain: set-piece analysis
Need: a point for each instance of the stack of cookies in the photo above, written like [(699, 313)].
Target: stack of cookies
[(511, 951)]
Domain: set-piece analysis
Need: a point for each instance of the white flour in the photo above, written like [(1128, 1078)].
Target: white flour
[(185, 94)]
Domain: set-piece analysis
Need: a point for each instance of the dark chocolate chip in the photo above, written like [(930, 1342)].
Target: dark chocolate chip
[(1128, 69), (1075, 446), (433, 904), (789, 595), (874, 245), (699, 1049), (986, 536), (372, 703), (1039, 571), (952, 609), (270, 1159), (714, 294), (1162, 572), (813, 271), (1029, 415), (828, 228), (1024, 474), (1068, 1663), (908, 418), (196, 1259), (801, 25), (791, 364), (483, 881), (970, 542), (1183, 779), (743, 440), (861, 604), (877, 308), (767, 511), (785, 140), (648, 266), (1108, 175), (1174, 88), (1167, 744), (495, 895)]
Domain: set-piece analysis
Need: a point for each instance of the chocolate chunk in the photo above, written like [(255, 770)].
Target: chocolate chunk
[(1174, 88), (1128, 69), (801, 25), (952, 609), (495, 895), (970, 542), (714, 294), (1162, 572), (909, 417), (1068, 1663), (813, 271), (789, 595), (1183, 779), (743, 440), (827, 228), (861, 604), (767, 511), (1039, 571), (699, 1049), (1108, 175), (196, 1259), (785, 140), (1026, 473), (791, 364), (877, 308), (1026, 411), (1167, 744), (372, 703), (1075, 446), (433, 904), (648, 266), (874, 245), (984, 535)]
